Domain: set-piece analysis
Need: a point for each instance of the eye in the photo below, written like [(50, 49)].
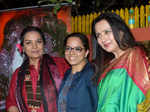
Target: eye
[(27, 42), (78, 49), (107, 31), (40, 41), (68, 48)]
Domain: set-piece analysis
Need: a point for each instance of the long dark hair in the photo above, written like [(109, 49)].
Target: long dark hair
[(122, 35)]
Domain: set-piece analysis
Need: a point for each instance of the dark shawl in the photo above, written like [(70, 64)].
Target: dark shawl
[(47, 85)]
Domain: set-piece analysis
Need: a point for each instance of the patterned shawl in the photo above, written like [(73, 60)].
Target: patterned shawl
[(47, 86)]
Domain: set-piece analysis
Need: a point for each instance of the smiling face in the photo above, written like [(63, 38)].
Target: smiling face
[(75, 52), (33, 45), (106, 38)]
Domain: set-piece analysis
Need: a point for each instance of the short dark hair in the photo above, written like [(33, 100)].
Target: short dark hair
[(81, 36)]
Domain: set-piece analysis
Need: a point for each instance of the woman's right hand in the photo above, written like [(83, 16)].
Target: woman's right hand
[(13, 109)]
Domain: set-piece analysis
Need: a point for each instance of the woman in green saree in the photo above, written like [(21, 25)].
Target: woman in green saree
[(124, 76)]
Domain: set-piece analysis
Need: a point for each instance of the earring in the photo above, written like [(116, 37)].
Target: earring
[(23, 54), (44, 51)]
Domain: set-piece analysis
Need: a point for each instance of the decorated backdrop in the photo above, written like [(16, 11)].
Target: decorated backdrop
[(55, 27)]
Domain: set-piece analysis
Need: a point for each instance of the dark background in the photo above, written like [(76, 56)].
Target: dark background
[(81, 7)]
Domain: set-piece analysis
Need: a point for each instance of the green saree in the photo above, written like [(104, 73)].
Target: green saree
[(118, 93), (122, 86)]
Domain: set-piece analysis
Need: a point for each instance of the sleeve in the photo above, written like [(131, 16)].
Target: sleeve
[(62, 65), (93, 94), (11, 98), (92, 89)]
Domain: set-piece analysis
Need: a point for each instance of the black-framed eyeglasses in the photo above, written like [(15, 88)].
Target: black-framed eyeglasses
[(75, 49)]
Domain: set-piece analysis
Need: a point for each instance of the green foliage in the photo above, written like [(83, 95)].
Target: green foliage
[(56, 8), (56, 2)]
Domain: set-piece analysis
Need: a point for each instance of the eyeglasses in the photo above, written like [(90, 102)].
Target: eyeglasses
[(105, 32), (75, 49)]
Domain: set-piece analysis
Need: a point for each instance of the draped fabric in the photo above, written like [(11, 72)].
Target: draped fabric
[(49, 72), (124, 83), (118, 93), (136, 63), (48, 86)]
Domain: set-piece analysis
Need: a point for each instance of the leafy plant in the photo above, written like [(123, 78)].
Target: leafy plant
[(58, 3)]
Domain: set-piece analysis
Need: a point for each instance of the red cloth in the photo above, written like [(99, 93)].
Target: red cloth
[(11, 99)]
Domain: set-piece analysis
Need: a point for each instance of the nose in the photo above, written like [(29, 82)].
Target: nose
[(34, 45), (72, 51), (103, 37)]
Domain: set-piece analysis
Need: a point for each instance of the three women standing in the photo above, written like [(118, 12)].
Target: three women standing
[(123, 80)]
